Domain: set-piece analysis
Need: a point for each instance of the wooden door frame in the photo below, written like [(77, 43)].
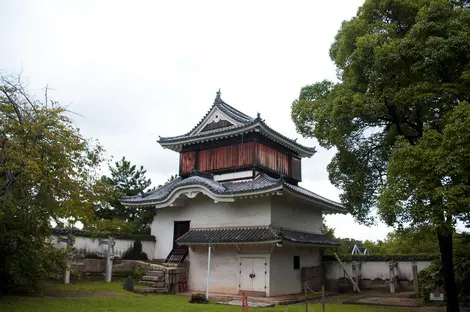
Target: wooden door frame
[(175, 223)]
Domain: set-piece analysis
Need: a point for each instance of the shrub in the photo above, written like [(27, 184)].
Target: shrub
[(198, 298), (135, 252), (138, 272)]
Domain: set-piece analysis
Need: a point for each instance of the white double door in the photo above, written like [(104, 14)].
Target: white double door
[(252, 274)]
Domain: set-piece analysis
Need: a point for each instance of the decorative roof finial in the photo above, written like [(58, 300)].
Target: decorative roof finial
[(218, 95), (258, 116)]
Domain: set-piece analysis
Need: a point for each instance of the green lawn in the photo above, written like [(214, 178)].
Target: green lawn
[(119, 300)]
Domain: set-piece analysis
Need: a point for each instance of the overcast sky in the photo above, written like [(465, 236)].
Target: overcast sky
[(135, 70)]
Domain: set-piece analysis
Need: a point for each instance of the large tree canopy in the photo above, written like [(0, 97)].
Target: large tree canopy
[(47, 173), (396, 116)]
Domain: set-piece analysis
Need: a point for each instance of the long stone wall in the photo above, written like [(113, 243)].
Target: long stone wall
[(88, 245), (371, 274)]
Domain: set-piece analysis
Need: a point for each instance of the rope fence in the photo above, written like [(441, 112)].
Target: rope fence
[(307, 290)]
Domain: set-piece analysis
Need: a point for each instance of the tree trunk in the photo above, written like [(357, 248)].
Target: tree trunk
[(448, 275)]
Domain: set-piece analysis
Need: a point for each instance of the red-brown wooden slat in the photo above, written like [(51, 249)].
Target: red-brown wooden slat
[(239, 155)]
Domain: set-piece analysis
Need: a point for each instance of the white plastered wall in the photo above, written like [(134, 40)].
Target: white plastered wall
[(203, 212), (284, 280)]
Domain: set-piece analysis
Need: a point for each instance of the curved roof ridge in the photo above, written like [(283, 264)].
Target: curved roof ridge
[(234, 112), (236, 130), (202, 134), (294, 141), (165, 186), (304, 191), (269, 178), (226, 108)]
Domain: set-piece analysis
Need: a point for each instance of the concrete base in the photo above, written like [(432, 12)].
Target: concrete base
[(385, 301), (251, 304)]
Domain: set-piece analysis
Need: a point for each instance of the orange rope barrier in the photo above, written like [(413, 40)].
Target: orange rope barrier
[(244, 302)]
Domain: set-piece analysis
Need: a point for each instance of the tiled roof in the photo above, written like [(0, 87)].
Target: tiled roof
[(260, 183), (233, 235), (307, 238), (228, 235), (247, 123), (255, 125), (227, 109)]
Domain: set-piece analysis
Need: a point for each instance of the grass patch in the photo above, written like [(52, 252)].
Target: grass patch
[(130, 302)]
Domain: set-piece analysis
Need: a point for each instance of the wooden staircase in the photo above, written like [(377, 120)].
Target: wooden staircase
[(177, 255)]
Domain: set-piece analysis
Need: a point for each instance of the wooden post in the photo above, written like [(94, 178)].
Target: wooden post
[(70, 241), (415, 279), (391, 267), (323, 298), (244, 302), (109, 258), (354, 271), (306, 297), (347, 273)]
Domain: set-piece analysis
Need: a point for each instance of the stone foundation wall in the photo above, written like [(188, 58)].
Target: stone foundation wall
[(119, 266), (161, 275)]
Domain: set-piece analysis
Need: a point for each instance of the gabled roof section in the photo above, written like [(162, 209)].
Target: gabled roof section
[(223, 121), (227, 192), (220, 115)]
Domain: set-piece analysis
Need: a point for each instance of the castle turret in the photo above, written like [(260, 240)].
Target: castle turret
[(230, 145)]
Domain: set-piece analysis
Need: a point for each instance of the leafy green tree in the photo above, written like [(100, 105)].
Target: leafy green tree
[(404, 76), (47, 173), (410, 241), (126, 180)]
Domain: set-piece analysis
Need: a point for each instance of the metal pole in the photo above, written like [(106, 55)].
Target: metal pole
[(323, 298), (208, 271)]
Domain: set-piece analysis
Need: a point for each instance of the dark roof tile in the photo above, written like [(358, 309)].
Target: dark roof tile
[(233, 235), (259, 183)]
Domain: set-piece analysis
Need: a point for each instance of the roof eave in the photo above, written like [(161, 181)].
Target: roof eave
[(325, 206), (175, 145), (229, 243), (312, 244)]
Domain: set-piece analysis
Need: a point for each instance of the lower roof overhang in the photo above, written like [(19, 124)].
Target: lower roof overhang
[(253, 236)]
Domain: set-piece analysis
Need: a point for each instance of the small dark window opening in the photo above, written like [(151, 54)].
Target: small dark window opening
[(296, 263)]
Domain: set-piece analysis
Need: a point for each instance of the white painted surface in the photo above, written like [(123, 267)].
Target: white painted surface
[(295, 215), (203, 212), (234, 175), (256, 265), (375, 269), (89, 245), (284, 279), (225, 267)]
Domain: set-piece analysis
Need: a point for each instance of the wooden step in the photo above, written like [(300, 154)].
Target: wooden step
[(152, 284), (177, 255), (155, 273), (151, 278)]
